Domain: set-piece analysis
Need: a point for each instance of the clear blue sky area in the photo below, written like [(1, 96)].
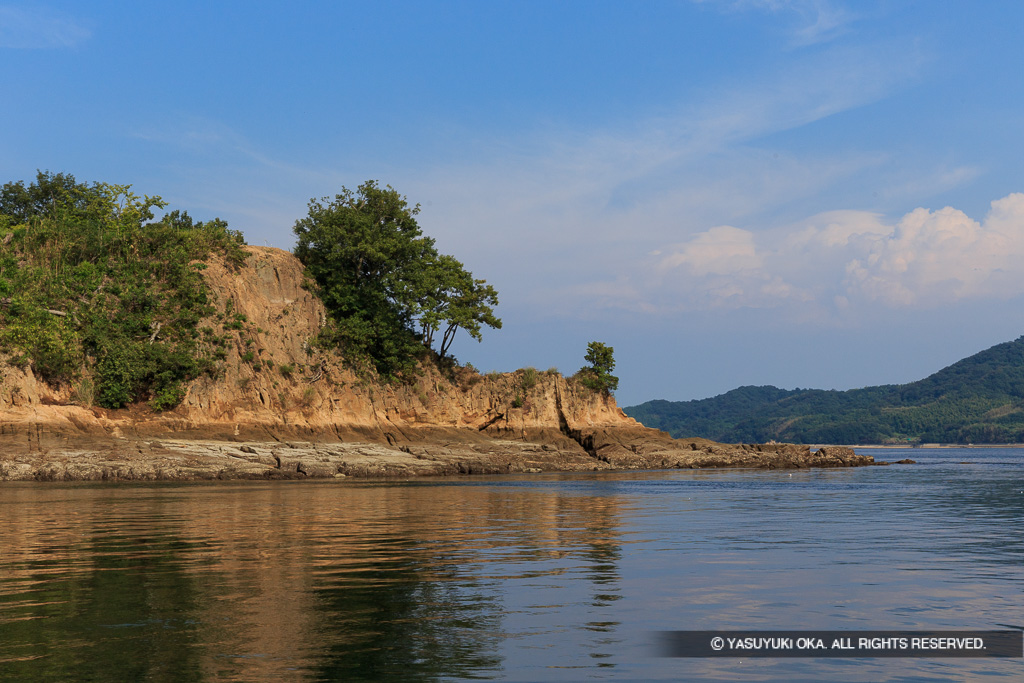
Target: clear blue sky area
[(807, 193)]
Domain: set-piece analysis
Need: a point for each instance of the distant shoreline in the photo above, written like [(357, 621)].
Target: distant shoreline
[(924, 446)]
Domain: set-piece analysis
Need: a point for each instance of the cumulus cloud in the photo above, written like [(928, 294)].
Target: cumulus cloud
[(933, 257), (835, 259), (39, 27)]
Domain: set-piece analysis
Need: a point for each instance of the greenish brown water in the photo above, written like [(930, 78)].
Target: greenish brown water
[(544, 577)]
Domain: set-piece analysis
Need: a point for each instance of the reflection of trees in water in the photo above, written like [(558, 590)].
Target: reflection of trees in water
[(122, 611), (254, 581), (399, 618)]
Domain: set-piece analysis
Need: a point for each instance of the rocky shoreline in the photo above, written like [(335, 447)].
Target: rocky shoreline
[(169, 459)]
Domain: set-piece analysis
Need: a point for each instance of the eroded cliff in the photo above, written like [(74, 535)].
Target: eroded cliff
[(280, 407)]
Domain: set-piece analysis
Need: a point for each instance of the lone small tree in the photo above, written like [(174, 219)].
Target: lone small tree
[(597, 375)]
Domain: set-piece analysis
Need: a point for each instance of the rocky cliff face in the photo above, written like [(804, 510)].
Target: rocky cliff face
[(283, 387), (275, 389)]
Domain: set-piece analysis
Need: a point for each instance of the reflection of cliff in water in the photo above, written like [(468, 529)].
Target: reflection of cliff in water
[(253, 581), (426, 600), (603, 554)]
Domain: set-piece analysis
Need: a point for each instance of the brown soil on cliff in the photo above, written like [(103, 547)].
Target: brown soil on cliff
[(284, 409)]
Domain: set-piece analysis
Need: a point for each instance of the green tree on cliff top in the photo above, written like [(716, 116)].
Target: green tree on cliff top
[(598, 375), (385, 285)]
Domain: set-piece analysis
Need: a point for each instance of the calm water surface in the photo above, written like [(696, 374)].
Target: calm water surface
[(539, 577)]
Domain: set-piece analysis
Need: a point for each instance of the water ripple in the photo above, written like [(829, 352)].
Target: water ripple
[(545, 577)]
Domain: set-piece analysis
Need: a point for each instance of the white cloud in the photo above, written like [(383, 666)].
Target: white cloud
[(839, 259), (563, 224), (835, 229), (936, 257), (39, 27), (719, 268), (719, 251)]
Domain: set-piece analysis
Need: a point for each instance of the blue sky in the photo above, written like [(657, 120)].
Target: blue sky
[(807, 194)]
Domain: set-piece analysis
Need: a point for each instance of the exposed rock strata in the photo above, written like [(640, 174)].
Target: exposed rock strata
[(177, 459), (321, 420)]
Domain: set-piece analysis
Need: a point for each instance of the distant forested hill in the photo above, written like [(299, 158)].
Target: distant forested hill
[(979, 399)]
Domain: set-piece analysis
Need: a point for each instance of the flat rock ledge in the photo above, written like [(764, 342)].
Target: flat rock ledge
[(167, 459)]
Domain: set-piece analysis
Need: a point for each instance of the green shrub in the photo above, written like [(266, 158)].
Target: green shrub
[(168, 397), (57, 354), (236, 323), (120, 375)]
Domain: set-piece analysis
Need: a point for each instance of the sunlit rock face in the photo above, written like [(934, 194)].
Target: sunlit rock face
[(296, 411)]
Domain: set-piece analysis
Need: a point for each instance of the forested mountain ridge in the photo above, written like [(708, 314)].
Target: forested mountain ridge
[(979, 399)]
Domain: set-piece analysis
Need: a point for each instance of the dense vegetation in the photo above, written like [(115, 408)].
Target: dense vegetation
[(977, 400), (96, 293), (100, 297), (390, 294)]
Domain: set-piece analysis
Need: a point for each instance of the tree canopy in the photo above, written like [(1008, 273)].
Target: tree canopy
[(93, 290), (388, 290), (598, 375)]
